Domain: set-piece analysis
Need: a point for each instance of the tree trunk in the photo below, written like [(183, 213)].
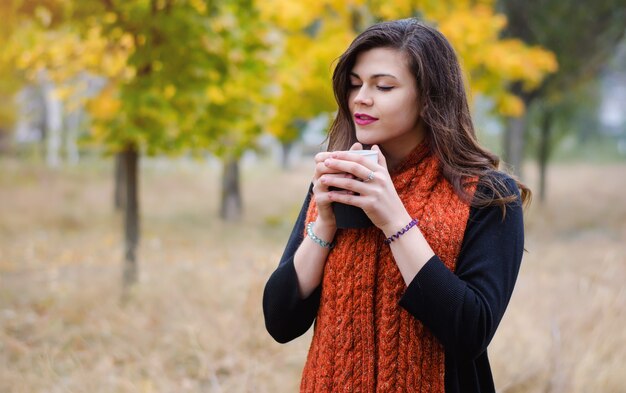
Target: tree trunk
[(131, 216), (286, 150), (514, 143), (4, 141), (53, 111), (231, 205), (72, 129), (119, 183), (544, 152)]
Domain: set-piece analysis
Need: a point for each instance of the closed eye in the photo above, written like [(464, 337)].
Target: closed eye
[(384, 88)]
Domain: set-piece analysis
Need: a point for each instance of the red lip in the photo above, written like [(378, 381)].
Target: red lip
[(363, 119)]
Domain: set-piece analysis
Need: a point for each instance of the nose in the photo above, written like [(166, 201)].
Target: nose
[(362, 97)]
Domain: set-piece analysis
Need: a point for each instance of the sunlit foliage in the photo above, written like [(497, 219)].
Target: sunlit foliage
[(192, 74), (316, 33)]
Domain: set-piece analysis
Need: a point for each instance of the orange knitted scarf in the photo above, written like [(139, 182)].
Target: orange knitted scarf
[(363, 340)]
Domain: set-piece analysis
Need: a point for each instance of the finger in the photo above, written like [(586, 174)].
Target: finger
[(322, 185), (319, 187), (356, 146), (321, 169), (382, 161), (334, 183), (324, 196), (358, 166), (340, 175), (321, 156), (366, 161), (335, 178), (322, 199), (347, 198)]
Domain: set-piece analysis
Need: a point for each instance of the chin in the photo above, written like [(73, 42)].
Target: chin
[(367, 139)]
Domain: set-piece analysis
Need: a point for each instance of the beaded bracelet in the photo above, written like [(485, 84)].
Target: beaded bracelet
[(322, 243), (401, 231)]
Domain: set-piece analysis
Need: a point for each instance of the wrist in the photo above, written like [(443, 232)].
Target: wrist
[(395, 225), (402, 231), (325, 226), (323, 238)]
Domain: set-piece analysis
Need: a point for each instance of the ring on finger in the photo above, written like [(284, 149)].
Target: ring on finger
[(370, 177)]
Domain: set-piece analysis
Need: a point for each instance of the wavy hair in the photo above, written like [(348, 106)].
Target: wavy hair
[(445, 111)]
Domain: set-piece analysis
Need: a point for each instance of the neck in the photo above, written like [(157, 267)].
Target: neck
[(396, 153)]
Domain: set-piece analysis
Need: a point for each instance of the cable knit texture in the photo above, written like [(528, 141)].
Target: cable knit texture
[(363, 340)]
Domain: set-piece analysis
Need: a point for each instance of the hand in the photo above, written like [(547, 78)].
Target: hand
[(321, 191), (377, 197)]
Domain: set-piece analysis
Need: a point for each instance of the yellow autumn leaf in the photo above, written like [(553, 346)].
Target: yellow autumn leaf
[(169, 91), (510, 105), (110, 17), (215, 95), (199, 5), (105, 106), (63, 92)]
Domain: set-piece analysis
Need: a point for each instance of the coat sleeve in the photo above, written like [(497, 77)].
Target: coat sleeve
[(463, 308), (287, 316)]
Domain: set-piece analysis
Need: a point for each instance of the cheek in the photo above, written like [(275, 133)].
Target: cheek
[(408, 112), (399, 113), (351, 99), (403, 121)]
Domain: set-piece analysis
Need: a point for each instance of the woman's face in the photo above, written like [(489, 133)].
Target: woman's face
[(384, 103)]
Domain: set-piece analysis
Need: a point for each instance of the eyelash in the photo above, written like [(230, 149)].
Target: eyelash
[(381, 88)]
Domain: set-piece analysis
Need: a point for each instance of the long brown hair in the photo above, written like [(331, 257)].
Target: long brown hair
[(445, 111)]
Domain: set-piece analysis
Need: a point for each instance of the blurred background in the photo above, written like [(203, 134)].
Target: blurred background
[(154, 155)]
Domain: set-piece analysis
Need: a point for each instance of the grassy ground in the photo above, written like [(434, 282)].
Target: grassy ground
[(194, 322)]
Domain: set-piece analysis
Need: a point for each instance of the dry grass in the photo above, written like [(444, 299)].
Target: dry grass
[(564, 330), (194, 322)]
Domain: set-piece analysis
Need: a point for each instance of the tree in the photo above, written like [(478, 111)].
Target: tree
[(233, 108), (197, 85), (582, 37), (491, 62), (316, 34), (310, 36), (20, 21), (61, 46), (8, 82), (182, 75)]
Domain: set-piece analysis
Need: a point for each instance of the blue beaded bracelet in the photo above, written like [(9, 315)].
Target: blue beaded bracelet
[(322, 243), (401, 231)]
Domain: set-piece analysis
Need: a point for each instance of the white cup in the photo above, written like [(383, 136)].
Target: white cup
[(371, 155), (348, 216)]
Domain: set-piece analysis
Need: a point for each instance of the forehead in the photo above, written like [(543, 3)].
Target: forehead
[(379, 61)]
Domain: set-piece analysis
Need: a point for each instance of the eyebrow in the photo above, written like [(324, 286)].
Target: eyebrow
[(375, 76)]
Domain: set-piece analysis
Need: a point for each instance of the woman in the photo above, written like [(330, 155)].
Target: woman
[(410, 303)]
